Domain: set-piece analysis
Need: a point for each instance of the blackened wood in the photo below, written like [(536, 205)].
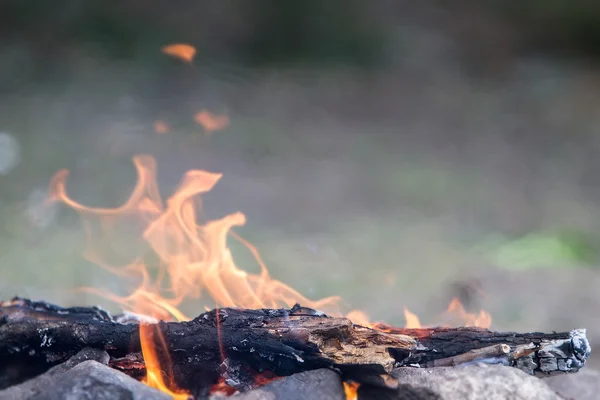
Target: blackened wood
[(231, 343)]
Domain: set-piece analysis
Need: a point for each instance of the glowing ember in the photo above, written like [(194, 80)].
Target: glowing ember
[(222, 387), (211, 122), (161, 127), (182, 51)]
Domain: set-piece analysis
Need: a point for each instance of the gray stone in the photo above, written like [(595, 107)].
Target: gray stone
[(473, 382), (320, 384), (584, 385), (83, 376), (34, 386)]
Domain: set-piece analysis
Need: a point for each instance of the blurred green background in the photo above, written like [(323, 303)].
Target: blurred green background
[(396, 154)]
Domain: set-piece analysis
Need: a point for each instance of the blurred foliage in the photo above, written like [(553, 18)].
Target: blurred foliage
[(309, 31), (108, 31), (270, 32), (561, 249), (569, 26)]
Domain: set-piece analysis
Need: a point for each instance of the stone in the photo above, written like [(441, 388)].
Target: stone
[(473, 382), (320, 384), (83, 376), (584, 385)]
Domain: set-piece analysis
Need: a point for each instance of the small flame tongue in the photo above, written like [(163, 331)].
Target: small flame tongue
[(154, 375)]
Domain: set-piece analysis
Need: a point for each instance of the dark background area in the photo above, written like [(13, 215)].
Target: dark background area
[(396, 153)]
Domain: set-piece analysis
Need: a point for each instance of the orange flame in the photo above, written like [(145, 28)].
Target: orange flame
[(182, 51), (211, 122), (154, 377), (412, 321), (351, 390), (361, 318), (193, 259), (457, 311)]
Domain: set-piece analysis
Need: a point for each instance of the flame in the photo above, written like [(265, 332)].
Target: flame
[(211, 122), (455, 313), (222, 387), (154, 375), (182, 51), (412, 321), (351, 390), (456, 310), (361, 318), (193, 260)]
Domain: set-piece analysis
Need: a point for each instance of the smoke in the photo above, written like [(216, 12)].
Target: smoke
[(10, 153)]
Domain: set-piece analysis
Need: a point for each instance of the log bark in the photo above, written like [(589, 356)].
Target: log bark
[(235, 345)]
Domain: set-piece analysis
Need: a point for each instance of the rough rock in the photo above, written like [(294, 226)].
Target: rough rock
[(83, 376), (320, 384), (584, 385), (473, 382)]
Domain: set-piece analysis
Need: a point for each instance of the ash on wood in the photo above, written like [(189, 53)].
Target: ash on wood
[(238, 344)]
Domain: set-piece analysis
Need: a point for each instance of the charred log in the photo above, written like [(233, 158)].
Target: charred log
[(236, 344)]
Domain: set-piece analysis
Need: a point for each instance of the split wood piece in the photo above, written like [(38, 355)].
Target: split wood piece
[(236, 344)]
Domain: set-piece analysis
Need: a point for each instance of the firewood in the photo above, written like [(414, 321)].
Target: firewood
[(228, 343)]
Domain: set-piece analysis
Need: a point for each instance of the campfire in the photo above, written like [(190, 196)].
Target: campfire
[(260, 329), (249, 329)]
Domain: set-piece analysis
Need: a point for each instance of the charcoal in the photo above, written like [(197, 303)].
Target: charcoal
[(319, 384), (83, 376), (281, 341)]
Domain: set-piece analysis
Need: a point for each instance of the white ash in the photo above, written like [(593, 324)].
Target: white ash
[(129, 317)]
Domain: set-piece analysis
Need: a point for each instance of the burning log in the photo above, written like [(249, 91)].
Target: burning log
[(234, 344)]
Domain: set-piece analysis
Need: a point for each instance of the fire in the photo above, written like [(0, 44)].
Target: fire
[(455, 313), (351, 390), (193, 260), (154, 375), (412, 321), (183, 51), (456, 310)]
